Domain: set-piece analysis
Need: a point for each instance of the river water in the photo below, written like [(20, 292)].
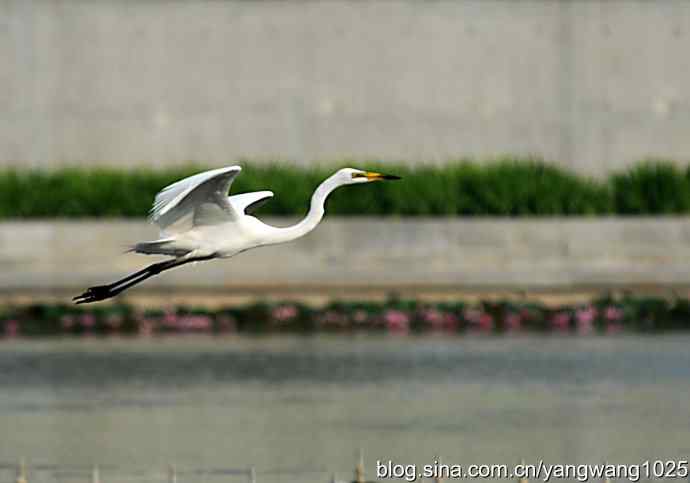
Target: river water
[(300, 408)]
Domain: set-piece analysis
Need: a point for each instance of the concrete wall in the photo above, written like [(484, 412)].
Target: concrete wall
[(593, 84), (368, 255)]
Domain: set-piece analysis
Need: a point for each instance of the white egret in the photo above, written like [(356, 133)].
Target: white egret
[(199, 222)]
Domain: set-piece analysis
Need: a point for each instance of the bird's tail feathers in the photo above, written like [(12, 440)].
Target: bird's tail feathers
[(163, 246)]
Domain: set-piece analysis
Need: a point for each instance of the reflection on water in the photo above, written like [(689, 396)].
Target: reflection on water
[(298, 408)]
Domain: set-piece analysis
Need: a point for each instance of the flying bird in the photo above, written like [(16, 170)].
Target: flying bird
[(200, 222)]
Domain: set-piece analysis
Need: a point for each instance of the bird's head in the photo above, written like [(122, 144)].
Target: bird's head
[(352, 176)]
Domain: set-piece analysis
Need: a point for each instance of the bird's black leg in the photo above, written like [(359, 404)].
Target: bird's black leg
[(102, 292)]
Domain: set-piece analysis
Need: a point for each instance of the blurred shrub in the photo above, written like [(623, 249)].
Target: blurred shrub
[(523, 188), (504, 187), (652, 187), (610, 314)]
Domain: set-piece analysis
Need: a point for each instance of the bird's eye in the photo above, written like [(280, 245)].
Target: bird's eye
[(359, 175)]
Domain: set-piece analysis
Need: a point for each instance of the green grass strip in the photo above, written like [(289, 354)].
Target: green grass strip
[(510, 187)]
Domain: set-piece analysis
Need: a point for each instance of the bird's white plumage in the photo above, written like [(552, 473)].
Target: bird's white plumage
[(205, 191), (197, 218), (244, 201), (200, 222)]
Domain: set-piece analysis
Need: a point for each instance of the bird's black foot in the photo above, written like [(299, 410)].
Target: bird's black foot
[(94, 294)]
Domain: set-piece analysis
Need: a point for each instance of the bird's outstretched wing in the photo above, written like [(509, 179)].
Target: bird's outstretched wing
[(248, 202), (202, 197)]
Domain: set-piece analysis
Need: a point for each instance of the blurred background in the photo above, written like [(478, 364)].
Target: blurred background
[(521, 294)]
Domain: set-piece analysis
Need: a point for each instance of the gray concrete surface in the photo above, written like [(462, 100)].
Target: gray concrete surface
[(592, 84), (363, 254)]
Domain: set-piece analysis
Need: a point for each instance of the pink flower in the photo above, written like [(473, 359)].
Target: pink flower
[(613, 313), (450, 321), (331, 318), (11, 328), (193, 323), (584, 318), (486, 322), (432, 317), (479, 319), (586, 314), (284, 313), (512, 321), (437, 319), (186, 323), (396, 320), (561, 320), (87, 320), (170, 320)]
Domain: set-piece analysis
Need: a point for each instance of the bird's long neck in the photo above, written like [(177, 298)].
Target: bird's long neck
[(316, 212)]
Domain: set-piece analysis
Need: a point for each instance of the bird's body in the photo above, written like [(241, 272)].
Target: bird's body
[(199, 222)]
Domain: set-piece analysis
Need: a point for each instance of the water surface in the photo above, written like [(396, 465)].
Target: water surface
[(299, 408)]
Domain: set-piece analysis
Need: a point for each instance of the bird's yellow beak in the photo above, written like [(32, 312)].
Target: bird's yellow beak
[(371, 176)]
